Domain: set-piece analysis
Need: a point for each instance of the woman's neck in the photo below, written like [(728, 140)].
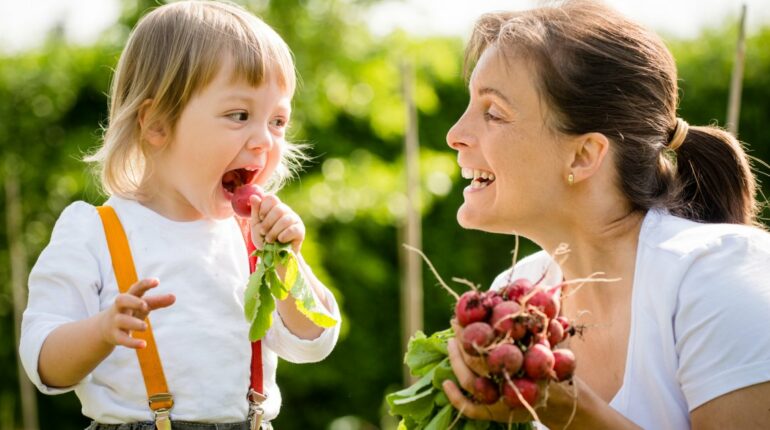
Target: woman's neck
[(600, 241)]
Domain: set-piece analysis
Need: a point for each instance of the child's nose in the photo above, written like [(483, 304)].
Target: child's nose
[(260, 139)]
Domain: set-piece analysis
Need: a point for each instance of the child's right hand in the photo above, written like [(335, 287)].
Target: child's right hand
[(129, 311)]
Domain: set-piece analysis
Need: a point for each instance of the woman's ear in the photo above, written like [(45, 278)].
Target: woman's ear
[(590, 153), (153, 131)]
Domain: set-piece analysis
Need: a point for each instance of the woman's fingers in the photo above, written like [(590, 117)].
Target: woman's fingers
[(463, 373)]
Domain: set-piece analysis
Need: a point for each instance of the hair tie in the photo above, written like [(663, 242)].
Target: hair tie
[(679, 134)]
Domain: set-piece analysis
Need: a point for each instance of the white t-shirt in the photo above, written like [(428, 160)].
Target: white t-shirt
[(700, 312), (202, 338)]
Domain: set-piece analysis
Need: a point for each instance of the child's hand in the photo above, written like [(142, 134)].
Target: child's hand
[(128, 312), (272, 220)]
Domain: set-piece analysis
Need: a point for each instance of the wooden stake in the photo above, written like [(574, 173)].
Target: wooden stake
[(411, 285), (736, 80), (19, 272)]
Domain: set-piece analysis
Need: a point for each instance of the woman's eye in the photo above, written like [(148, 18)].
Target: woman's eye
[(239, 116), (491, 117)]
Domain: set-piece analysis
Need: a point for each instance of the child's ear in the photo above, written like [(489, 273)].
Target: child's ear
[(590, 152), (153, 131)]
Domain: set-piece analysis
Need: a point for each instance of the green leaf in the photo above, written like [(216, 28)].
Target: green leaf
[(251, 295), (305, 302), (442, 419), (276, 286), (424, 352), (265, 286), (264, 318)]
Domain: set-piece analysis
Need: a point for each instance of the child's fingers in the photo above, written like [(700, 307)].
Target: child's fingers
[(256, 203), (141, 287), (159, 301), (129, 323), (266, 206), (463, 373), (280, 225), (295, 234), (124, 339), (130, 304)]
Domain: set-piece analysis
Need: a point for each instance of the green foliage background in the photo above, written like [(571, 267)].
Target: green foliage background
[(349, 107)]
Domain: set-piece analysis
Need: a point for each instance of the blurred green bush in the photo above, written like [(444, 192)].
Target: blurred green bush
[(350, 108)]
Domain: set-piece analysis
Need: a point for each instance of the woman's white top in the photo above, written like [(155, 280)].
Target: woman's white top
[(202, 339), (700, 316)]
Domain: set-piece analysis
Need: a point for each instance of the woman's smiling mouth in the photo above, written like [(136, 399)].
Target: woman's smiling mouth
[(479, 178)]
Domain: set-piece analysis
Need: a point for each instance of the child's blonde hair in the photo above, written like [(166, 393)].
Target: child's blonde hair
[(172, 53)]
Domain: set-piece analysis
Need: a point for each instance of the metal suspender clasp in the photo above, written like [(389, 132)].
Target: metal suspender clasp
[(255, 408), (161, 404)]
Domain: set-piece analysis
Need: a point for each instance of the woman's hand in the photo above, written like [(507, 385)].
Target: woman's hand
[(272, 220), (128, 312), (561, 396)]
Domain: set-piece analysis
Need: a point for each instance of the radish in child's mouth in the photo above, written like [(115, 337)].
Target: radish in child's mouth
[(237, 177)]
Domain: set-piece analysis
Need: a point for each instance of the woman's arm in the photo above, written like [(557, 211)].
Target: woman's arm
[(590, 412), (746, 408)]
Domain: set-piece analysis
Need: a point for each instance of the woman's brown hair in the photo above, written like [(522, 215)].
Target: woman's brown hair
[(600, 72)]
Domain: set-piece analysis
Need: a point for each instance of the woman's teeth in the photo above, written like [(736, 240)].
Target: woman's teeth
[(479, 178)]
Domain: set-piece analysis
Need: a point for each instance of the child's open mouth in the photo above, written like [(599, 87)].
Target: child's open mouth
[(479, 178), (235, 178)]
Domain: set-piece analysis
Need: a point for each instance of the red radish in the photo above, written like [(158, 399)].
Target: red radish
[(476, 336), (490, 299), (517, 289), (538, 361), (564, 364), (555, 332), (241, 199), (470, 308), (546, 302), (503, 320), (485, 390), (528, 389), (563, 321), (506, 357)]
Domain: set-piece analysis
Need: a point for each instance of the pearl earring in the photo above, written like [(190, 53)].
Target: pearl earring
[(571, 179)]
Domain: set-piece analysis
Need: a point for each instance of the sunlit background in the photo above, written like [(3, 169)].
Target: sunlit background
[(55, 63)]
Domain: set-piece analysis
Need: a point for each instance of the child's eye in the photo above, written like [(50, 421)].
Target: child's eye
[(278, 122), (239, 116)]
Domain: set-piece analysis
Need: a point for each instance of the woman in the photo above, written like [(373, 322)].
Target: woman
[(571, 135)]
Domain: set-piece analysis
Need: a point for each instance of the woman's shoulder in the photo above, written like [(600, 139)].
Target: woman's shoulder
[(682, 237), (532, 267)]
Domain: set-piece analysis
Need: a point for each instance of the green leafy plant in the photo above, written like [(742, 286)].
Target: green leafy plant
[(423, 405), (265, 286)]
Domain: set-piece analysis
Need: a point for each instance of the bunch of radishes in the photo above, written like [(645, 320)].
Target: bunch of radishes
[(515, 332)]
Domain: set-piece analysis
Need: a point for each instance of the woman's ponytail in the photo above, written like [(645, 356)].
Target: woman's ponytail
[(716, 183)]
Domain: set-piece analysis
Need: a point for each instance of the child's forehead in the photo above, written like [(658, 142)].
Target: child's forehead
[(230, 72)]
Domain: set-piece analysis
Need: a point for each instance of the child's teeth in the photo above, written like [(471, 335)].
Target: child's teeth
[(466, 173)]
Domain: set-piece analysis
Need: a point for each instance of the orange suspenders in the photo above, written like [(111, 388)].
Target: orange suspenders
[(160, 399)]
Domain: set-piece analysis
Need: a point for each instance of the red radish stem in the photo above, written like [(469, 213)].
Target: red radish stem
[(473, 286), (433, 269), (515, 256)]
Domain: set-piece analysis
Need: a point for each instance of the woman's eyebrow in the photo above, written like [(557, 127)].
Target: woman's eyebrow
[(489, 90)]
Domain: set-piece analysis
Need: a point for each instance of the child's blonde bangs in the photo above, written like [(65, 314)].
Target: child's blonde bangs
[(173, 53)]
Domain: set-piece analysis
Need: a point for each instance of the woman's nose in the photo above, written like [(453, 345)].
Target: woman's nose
[(457, 137)]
